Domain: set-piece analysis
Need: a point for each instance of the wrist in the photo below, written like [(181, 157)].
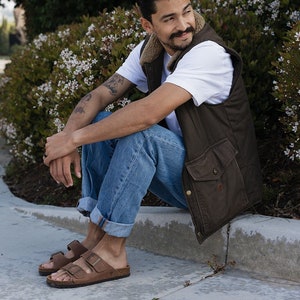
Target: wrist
[(75, 138)]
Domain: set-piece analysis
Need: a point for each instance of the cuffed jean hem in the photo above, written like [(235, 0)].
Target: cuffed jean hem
[(111, 228), (86, 205)]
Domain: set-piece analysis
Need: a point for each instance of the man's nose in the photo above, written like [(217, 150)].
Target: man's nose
[(181, 24)]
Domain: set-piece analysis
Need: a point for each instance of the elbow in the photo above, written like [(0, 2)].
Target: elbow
[(149, 115), (151, 118)]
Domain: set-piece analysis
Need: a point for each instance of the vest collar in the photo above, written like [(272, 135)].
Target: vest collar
[(154, 47)]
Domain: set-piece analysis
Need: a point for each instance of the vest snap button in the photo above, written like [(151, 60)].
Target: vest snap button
[(215, 171), (188, 193)]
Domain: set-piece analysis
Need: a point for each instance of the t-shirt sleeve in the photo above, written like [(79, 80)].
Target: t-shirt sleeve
[(132, 70), (206, 72)]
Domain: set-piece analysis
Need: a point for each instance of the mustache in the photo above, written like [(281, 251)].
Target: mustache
[(179, 33)]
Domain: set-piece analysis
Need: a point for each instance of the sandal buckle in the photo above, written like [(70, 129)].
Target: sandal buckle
[(93, 259)]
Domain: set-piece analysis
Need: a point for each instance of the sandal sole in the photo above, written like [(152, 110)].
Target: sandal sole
[(66, 284)]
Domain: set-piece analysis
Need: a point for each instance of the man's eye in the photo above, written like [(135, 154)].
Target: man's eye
[(169, 19)]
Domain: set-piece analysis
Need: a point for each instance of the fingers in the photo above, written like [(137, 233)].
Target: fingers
[(77, 166), (57, 146), (60, 170), (46, 160)]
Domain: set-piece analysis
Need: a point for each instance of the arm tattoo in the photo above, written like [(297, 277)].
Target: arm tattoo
[(79, 109), (113, 83)]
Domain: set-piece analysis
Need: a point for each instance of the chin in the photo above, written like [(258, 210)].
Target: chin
[(182, 46)]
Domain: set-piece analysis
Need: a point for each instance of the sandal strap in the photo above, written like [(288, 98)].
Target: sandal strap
[(59, 260), (77, 248), (55, 253), (95, 262), (74, 271)]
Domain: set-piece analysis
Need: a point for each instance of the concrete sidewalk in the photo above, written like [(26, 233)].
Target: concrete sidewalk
[(265, 249), (3, 63)]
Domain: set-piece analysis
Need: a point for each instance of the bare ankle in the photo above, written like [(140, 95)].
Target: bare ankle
[(94, 235), (112, 250), (115, 246)]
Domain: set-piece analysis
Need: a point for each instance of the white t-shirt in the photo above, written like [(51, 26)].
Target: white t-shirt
[(205, 72)]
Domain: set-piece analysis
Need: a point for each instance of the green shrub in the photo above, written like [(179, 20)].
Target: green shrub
[(44, 16), (47, 78), (255, 29), (287, 92)]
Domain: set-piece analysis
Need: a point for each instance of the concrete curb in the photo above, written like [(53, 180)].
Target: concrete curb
[(266, 246)]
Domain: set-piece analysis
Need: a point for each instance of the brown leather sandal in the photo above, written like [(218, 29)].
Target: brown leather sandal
[(100, 272), (59, 260)]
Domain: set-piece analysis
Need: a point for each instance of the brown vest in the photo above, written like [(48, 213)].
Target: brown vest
[(222, 175)]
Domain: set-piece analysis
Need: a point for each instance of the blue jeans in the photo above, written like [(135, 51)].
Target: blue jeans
[(116, 175)]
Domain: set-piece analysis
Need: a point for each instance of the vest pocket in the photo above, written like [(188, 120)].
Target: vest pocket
[(216, 191)]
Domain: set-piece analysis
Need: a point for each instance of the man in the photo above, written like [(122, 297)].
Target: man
[(206, 142)]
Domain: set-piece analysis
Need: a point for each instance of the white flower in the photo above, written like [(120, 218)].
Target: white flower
[(28, 141), (289, 111), (38, 42), (63, 34), (59, 124), (45, 87), (123, 102), (110, 107), (295, 127), (8, 129), (295, 16), (89, 80), (4, 80), (91, 28)]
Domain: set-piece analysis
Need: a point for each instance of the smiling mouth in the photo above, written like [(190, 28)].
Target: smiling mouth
[(182, 34)]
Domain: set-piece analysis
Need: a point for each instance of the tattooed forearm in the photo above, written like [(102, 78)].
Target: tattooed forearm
[(113, 83), (79, 109), (86, 98)]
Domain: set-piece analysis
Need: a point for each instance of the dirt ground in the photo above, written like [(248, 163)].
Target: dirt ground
[(35, 185)]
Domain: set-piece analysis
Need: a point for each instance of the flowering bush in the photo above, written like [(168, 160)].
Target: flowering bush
[(46, 79), (287, 91), (255, 29)]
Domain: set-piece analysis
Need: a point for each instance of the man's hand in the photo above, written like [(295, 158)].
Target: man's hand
[(60, 169), (57, 146)]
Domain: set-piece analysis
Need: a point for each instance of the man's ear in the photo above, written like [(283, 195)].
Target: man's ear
[(147, 25)]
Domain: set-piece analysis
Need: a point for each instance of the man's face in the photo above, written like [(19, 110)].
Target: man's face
[(173, 23)]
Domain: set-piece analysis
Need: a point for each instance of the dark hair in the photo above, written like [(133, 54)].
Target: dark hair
[(147, 8)]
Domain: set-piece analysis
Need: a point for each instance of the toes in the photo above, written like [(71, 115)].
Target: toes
[(60, 276), (47, 265), (66, 277), (57, 274)]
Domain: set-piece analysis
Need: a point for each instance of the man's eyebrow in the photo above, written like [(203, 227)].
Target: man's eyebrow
[(172, 14)]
